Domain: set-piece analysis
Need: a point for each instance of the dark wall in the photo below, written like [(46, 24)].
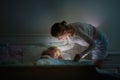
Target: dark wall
[(36, 16)]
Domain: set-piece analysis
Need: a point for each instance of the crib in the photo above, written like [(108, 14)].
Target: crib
[(19, 51), (24, 49)]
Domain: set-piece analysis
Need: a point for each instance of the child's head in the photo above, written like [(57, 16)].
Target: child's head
[(52, 52), (61, 30)]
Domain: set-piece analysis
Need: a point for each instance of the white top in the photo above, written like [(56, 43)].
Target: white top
[(83, 28)]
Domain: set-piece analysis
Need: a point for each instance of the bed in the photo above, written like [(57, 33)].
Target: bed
[(18, 54)]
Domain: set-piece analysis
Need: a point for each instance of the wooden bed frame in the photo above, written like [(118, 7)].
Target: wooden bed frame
[(55, 72), (69, 72)]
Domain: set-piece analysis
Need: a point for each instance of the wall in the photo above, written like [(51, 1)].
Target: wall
[(37, 16)]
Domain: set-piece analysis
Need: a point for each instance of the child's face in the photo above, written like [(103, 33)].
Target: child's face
[(57, 54)]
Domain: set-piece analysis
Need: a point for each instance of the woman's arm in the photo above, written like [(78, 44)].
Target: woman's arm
[(90, 45)]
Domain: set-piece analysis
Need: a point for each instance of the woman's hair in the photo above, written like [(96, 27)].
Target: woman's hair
[(59, 28), (50, 51)]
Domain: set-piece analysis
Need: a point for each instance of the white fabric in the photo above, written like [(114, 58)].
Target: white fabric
[(99, 52), (68, 46), (78, 40)]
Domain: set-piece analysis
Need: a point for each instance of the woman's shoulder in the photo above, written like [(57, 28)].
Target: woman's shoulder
[(76, 23), (77, 26)]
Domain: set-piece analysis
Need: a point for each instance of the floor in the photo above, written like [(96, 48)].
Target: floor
[(112, 63)]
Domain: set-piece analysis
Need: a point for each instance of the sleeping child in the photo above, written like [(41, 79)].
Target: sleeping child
[(52, 56), (53, 52), (49, 56)]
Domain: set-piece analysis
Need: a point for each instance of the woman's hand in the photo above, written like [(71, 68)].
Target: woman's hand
[(77, 57)]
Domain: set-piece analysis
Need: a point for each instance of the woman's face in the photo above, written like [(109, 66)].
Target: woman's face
[(63, 37)]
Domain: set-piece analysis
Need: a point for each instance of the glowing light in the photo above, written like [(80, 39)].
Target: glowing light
[(93, 20)]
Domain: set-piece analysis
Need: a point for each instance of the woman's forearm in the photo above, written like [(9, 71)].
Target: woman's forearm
[(89, 48)]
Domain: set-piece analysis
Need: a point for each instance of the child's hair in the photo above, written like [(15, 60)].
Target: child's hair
[(59, 27), (50, 51)]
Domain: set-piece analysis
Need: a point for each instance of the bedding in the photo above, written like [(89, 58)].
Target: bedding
[(53, 61), (26, 54)]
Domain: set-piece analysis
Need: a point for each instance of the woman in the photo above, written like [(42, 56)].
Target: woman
[(84, 35)]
